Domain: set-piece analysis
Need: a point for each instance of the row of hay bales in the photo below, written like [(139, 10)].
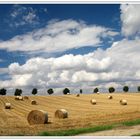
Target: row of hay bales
[(20, 98), (33, 102), (122, 101), (93, 101), (41, 116)]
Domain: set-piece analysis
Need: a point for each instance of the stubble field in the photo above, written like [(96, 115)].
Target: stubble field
[(81, 112)]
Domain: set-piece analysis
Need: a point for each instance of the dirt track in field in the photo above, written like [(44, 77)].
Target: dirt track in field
[(81, 112), (124, 131)]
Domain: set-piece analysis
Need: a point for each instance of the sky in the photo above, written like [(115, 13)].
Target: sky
[(69, 45)]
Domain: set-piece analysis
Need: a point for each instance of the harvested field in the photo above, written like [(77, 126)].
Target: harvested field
[(81, 112)]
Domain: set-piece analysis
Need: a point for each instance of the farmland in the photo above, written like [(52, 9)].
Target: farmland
[(81, 112)]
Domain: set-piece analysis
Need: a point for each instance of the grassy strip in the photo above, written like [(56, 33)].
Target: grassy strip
[(136, 134), (73, 132), (131, 123)]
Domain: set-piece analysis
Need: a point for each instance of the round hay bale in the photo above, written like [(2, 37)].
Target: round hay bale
[(37, 117), (77, 95), (98, 92), (20, 98), (61, 113), (26, 97), (7, 105), (110, 97), (93, 101), (17, 98), (123, 102), (33, 102)]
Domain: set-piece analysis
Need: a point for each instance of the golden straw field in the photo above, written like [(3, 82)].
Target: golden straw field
[(81, 113)]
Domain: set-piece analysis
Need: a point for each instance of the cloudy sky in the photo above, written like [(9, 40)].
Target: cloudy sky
[(76, 46)]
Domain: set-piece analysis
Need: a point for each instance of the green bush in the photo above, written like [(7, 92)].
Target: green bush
[(125, 88), (2, 91), (138, 88), (34, 91), (96, 90), (18, 92), (81, 91), (50, 91), (111, 89), (66, 91)]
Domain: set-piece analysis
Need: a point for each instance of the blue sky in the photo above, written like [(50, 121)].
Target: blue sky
[(90, 13), (59, 45), (107, 15)]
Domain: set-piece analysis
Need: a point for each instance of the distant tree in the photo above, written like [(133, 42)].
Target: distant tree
[(125, 88), (34, 91), (81, 91), (18, 92), (2, 91), (66, 90), (96, 90), (138, 88), (50, 91), (111, 89)]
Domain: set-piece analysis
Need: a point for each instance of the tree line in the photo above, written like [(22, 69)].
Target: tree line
[(50, 91)]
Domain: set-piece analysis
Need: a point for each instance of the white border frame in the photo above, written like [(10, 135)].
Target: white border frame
[(69, 2)]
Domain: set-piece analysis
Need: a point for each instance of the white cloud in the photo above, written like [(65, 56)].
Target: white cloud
[(130, 17), (21, 15), (6, 84), (59, 36), (115, 66), (68, 69), (29, 18)]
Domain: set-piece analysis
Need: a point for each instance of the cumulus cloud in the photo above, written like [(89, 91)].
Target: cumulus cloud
[(130, 17), (115, 66), (59, 36), (53, 71)]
